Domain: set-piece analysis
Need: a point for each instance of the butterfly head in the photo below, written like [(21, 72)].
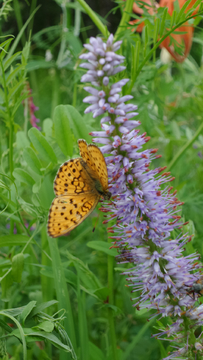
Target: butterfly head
[(107, 195)]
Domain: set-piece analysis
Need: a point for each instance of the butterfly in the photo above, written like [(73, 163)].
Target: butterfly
[(196, 288), (78, 186)]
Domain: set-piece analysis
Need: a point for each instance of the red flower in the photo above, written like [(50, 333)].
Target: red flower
[(181, 39)]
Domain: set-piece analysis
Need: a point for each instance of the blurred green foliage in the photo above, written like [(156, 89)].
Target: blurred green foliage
[(35, 270)]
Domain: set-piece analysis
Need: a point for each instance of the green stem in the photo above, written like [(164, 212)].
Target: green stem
[(77, 24), (125, 17), (10, 121), (11, 147), (111, 302), (94, 17), (75, 94), (184, 148)]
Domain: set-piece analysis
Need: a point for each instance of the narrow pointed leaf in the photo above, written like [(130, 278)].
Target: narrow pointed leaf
[(17, 267)]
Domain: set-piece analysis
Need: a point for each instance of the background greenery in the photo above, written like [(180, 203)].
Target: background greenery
[(54, 293)]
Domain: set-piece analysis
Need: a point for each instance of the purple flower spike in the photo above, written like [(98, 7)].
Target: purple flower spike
[(145, 214), (31, 108)]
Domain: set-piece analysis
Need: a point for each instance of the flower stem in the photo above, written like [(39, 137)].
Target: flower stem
[(184, 148), (94, 17), (111, 302)]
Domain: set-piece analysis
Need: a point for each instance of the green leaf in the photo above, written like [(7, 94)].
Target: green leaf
[(173, 17), (12, 90), (4, 46), (163, 18), (32, 160), (23, 176), (13, 74), (6, 284), (3, 185), (146, 35), (27, 207), (18, 102), (4, 326), (156, 30), (22, 140), (62, 291), (26, 311), (19, 330), (69, 275), (95, 352), (9, 61), (47, 326), (136, 339), (116, 309), (102, 293), (36, 188), (62, 130), (17, 39), (32, 335), (47, 127), (5, 264), (102, 246), (39, 64), (88, 277), (175, 129), (43, 306), (182, 10), (15, 311), (77, 124), (17, 267), (13, 240), (42, 146), (25, 53)]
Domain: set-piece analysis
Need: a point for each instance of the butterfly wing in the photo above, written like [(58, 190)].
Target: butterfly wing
[(68, 211), (84, 153), (97, 158), (94, 158), (78, 186), (72, 178)]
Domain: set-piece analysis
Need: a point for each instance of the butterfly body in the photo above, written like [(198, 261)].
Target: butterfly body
[(78, 186), (196, 288)]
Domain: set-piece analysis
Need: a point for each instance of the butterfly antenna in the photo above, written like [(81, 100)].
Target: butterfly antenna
[(96, 223)]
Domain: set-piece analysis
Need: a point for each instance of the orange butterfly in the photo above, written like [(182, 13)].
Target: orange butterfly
[(78, 186)]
